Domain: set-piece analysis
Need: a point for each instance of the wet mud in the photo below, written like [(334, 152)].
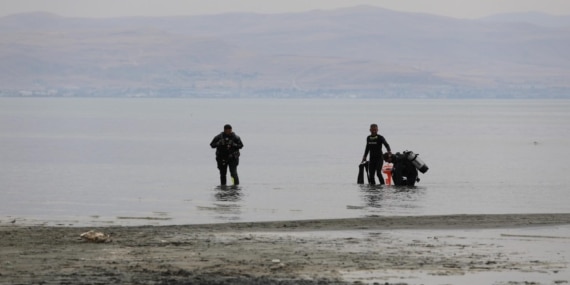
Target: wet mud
[(371, 250)]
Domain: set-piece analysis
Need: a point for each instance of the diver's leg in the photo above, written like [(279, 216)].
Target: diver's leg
[(233, 170), (223, 167), (372, 168), (397, 176), (379, 172), (412, 176)]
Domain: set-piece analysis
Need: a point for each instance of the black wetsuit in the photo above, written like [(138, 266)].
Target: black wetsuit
[(227, 155), (374, 147), (404, 172)]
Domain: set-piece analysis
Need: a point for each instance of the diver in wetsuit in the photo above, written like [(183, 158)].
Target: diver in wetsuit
[(374, 144), (404, 172), (227, 145)]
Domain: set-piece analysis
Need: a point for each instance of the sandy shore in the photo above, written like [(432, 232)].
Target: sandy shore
[(375, 250)]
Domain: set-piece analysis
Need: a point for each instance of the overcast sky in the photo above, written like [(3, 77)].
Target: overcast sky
[(117, 8)]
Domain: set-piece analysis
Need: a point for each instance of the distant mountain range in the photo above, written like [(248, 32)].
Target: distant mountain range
[(534, 18), (361, 51)]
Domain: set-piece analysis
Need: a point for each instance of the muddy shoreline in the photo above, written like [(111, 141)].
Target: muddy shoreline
[(281, 252)]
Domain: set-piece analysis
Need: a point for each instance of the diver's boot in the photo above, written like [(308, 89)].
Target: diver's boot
[(235, 179), (222, 180)]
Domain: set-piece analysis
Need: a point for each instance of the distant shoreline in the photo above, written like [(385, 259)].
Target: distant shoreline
[(563, 97)]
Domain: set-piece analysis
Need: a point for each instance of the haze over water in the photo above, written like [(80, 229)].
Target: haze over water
[(148, 161)]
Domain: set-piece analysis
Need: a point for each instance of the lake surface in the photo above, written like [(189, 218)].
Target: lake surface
[(87, 161)]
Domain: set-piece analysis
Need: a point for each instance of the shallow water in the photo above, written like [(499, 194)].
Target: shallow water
[(148, 161)]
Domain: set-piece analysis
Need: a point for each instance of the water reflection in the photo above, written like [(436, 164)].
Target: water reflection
[(226, 193), (372, 195), (225, 205), (382, 196)]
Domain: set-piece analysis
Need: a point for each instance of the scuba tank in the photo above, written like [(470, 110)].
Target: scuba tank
[(416, 161)]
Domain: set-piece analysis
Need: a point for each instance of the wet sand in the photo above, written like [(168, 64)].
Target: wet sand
[(372, 250)]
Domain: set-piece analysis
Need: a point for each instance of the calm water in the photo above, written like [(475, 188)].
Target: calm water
[(148, 161)]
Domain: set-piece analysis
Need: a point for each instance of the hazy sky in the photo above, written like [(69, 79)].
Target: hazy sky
[(116, 8)]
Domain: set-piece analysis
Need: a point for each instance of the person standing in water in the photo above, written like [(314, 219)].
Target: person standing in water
[(374, 144), (227, 145)]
